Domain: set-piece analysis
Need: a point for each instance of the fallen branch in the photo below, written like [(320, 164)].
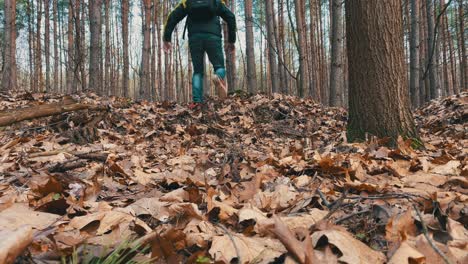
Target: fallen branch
[(429, 240), (68, 165), (17, 115), (96, 156)]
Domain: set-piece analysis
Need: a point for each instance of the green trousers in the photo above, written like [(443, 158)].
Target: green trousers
[(212, 45)]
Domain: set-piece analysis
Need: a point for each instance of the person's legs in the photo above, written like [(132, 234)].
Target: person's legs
[(214, 49), (197, 52)]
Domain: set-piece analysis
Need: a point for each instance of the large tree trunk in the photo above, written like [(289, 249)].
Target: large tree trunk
[(272, 47), (250, 52), (95, 48), (336, 71), (378, 96), (145, 77), (303, 67), (414, 54), (47, 43), (9, 66), (126, 62)]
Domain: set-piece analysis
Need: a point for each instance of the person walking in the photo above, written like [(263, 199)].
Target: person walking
[(204, 33)]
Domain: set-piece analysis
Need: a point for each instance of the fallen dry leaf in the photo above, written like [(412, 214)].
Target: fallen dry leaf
[(12, 243)]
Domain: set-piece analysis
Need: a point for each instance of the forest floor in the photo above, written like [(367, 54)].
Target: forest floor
[(249, 180)]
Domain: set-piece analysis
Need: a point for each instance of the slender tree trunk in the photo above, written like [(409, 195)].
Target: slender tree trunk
[(445, 64), (154, 83), (272, 47), (38, 52), (79, 57), (107, 60), (378, 98), (71, 85), (47, 43), (159, 55), (303, 67), (462, 46), (336, 71), (56, 40), (230, 55), (414, 54), (145, 78), (29, 11), (95, 48), (424, 95), (9, 77), (250, 51), (282, 48), (431, 74), (126, 61), (453, 69)]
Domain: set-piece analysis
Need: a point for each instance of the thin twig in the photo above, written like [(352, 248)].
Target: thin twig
[(232, 240), (426, 235), (324, 199), (344, 218)]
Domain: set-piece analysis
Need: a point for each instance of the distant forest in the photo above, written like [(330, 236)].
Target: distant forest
[(295, 47)]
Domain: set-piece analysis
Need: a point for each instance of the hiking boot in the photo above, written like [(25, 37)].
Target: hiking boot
[(195, 106)]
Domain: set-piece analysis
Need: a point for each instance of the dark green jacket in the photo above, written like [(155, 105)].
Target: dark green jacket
[(212, 26)]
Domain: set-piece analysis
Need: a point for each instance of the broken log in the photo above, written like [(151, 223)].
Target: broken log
[(17, 115)]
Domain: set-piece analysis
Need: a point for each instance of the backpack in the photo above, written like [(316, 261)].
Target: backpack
[(200, 10)]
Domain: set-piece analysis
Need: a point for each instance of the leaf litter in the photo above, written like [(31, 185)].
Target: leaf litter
[(249, 180)]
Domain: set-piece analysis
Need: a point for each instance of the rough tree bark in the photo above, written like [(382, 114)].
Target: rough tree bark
[(336, 71), (9, 65), (378, 96)]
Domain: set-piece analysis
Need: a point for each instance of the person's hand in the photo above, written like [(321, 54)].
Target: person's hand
[(167, 47), (231, 47)]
